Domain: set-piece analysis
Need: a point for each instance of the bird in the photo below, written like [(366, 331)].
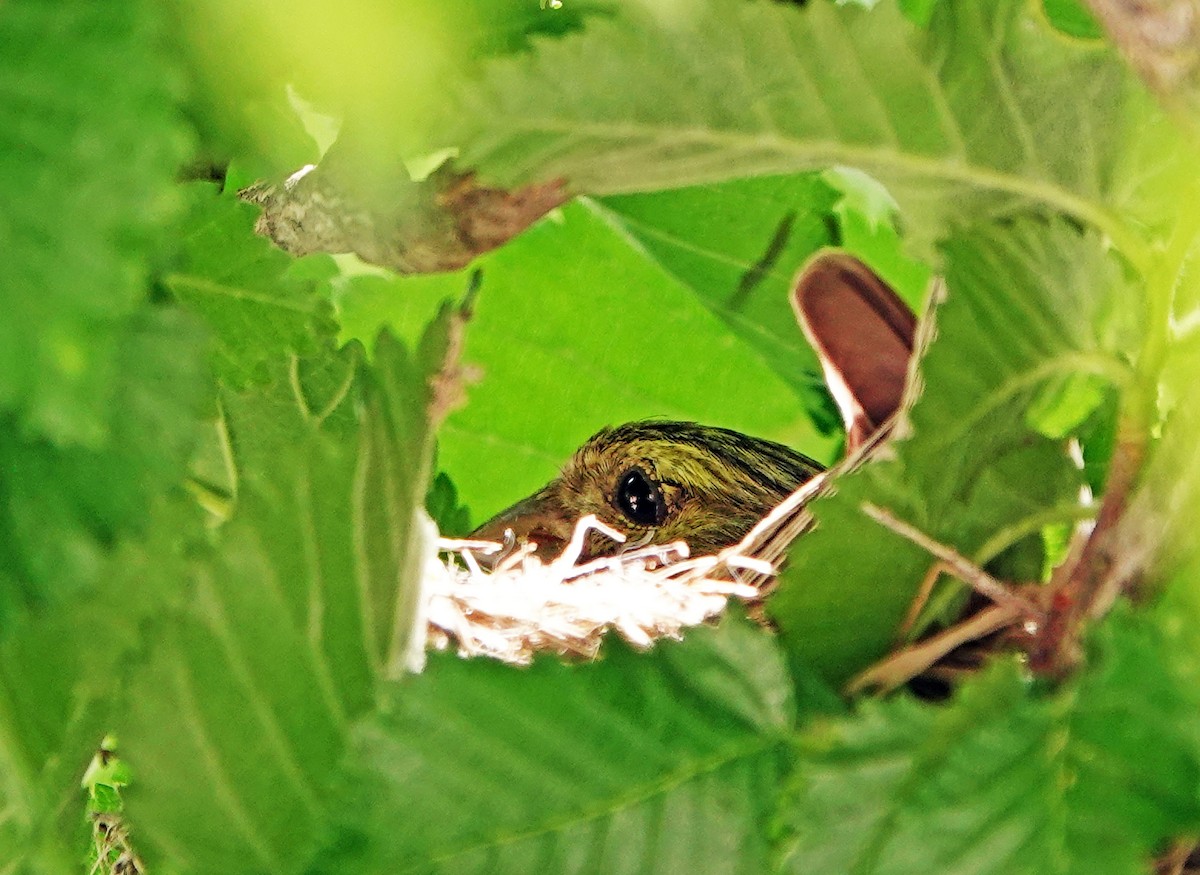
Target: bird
[(657, 482), (660, 481)]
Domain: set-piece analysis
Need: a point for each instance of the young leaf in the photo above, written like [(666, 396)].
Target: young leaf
[(453, 518)]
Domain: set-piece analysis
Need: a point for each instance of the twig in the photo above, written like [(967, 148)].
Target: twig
[(904, 665), (924, 591), (1175, 860), (963, 568)]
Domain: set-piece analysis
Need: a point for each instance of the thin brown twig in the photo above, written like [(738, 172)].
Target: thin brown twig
[(924, 591), (904, 665), (962, 567), (1175, 860)]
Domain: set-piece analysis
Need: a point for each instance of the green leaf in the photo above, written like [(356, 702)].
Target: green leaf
[(99, 384), (1072, 17), (567, 345), (259, 303), (90, 146), (868, 220), (453, 519), (65, 506), (1091, 779), (987, 113), (661, 762), (303, 601), (1030, 302), (738, 245), (60, 665)]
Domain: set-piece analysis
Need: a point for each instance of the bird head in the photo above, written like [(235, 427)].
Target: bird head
[(658, 482)]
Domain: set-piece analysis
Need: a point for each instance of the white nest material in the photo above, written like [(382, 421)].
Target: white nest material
[(525, 606)]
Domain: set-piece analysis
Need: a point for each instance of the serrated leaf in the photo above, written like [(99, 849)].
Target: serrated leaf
[(303, 602), (662, 762), (259, 304), (987, 113), (1029, 302), (1003, 780), (90, 145)]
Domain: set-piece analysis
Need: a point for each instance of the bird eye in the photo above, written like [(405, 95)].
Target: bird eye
[(640, 499)]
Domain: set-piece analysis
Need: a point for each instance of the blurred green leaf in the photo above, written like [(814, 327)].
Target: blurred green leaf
[(379, 68), (63, 507), (1160, 523), (1072, 17), (100, 384), (61, 665), (304, 600), (91, 142)]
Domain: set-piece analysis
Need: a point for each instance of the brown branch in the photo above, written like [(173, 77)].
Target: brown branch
[(1089, 579)]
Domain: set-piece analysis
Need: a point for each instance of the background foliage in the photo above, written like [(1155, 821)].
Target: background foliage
[(212, 453)]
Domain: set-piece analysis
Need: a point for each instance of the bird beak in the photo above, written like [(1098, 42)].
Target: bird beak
[(540, 519)]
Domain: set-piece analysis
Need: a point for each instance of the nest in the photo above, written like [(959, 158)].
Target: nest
[(523, 606)]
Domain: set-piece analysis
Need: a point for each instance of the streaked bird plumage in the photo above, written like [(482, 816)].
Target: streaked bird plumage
[(658, 482)]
